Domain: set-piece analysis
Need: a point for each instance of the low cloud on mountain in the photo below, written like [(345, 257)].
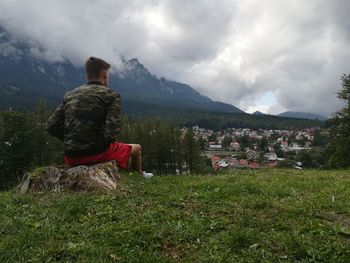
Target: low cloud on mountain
[(289, 52)]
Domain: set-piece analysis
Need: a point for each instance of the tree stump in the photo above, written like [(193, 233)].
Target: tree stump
[(100, 177)]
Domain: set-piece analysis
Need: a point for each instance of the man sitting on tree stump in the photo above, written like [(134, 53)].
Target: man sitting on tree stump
[(88, 122)]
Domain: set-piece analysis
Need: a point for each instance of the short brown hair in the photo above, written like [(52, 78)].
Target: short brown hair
[(94, 67)]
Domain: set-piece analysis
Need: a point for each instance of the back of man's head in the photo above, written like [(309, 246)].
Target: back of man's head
[(95, 68)]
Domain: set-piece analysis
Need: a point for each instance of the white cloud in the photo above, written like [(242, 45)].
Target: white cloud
[(234, 51)]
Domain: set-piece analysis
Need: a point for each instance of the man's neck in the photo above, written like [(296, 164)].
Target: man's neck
[(95, 82)]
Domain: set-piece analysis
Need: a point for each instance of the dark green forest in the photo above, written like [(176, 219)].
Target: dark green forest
[(25, 145), (137, 111), (339, 146)]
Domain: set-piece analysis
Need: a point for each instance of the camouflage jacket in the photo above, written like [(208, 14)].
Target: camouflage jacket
[(87, 120)]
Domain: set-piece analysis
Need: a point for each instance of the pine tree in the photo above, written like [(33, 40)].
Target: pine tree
[(164, 148), (48, 150), (16, 147), (339, 147), (179, 150), (192, 154), (263, 144), (40, 115), (226, 142)]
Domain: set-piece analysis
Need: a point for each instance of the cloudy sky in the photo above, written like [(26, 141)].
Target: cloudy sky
[(270, 55)]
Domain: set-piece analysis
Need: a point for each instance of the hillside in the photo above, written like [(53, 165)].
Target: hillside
[(25, 77), (269, 216), (302, 115), (214, 120), (258, 113), (135, 83)]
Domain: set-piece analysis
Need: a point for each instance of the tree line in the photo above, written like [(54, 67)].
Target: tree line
[(215, 120), (166, 149), (25, 145)]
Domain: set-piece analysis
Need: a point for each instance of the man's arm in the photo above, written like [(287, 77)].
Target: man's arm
[(113, 122), (55, 124)]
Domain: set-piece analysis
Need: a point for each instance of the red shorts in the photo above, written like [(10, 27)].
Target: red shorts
[(119, 152)]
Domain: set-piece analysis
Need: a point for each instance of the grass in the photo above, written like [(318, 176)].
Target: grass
[(246, 216)]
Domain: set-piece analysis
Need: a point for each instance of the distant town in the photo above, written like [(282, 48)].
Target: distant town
[(248, 148)]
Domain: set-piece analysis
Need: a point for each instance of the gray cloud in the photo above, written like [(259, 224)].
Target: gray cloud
[(289, 52)]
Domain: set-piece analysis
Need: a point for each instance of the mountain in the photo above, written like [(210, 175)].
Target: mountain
[(302, 115), (258, 113), (295, 115), (24, 77), (137, 84)]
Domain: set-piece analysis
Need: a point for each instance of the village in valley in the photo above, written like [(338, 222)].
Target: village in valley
[(248, 148)]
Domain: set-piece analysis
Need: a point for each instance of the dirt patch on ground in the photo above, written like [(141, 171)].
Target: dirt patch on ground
[(340, 219)]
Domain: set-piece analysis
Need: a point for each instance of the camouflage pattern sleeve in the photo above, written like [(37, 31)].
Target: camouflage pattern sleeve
[(55, 124), (113, 120)]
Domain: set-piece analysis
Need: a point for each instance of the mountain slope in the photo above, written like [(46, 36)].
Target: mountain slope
[(24, 78), (137, 84), (302, 115), (258, 113)]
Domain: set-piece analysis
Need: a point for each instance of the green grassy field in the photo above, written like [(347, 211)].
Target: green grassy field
[(260, 216)]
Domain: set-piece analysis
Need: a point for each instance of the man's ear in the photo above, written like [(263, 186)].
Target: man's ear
[(105, 77)]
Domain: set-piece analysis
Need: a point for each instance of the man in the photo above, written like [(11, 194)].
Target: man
[(88, 122)]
